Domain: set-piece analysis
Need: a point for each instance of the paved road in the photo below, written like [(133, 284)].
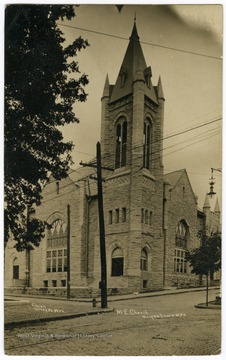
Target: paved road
[(166, 325)]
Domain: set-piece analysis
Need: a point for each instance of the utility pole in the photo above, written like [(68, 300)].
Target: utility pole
[(103, 282), (102, 231), (68, 252)]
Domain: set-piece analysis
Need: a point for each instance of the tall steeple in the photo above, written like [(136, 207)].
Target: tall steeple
[(132, 109), (133, 56), (131, 131)]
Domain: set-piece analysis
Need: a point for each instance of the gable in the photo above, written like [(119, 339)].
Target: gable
[(180, 179)]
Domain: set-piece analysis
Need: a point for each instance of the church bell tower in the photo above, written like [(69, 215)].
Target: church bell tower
[(131, 140)]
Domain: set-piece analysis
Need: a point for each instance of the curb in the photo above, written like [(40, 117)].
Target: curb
[(210, 306), (52, 318), (154, 295), (112, 299)]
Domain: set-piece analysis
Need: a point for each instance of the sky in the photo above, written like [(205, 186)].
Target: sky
[(192, 83)]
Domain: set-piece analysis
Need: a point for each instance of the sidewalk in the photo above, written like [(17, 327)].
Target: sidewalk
[(20, 309), (112, 298)]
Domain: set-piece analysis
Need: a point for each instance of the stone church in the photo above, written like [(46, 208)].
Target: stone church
[(151, 218)]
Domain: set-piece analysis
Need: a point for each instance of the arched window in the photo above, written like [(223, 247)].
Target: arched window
[(144, 260), (121, 143), (117, 262), (147, 144), (56, 255), (15, 269), (181, 239), (181, 234)]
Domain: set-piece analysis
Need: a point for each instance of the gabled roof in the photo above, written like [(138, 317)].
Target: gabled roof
[(79, 176), (80, 173), (133, 59), (175, 176)]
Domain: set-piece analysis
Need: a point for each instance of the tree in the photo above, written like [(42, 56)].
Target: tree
[(42, 82), (206, 259)]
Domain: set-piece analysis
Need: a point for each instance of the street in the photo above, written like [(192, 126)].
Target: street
[(164, 325)]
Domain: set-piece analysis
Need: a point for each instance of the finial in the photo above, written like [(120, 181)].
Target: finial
[(211, 182), (134, 34)]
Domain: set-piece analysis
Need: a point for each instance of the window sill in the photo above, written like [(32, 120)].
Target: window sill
[(119, 172), (148, 174)]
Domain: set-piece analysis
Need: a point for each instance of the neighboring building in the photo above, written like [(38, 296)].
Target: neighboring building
[(151, 219)]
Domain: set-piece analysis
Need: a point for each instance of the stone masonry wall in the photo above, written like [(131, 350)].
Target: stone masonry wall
[(181, 206), (53, 207), (12, 255), (113, 112)]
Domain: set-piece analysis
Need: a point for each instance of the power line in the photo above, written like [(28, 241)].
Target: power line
[(183, 147), (142, 42), (87, 176), (154, 159), (196, 142), (139, 145), (193, 128), (108, 157)]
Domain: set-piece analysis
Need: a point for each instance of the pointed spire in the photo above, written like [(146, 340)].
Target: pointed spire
[(106, 87), (160, 90), (206, 202), (133, 55), (217, 207), (128, 71), (134, 35)]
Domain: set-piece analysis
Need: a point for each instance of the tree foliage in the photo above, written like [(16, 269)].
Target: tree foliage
[(42, 82), (206, 258)]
